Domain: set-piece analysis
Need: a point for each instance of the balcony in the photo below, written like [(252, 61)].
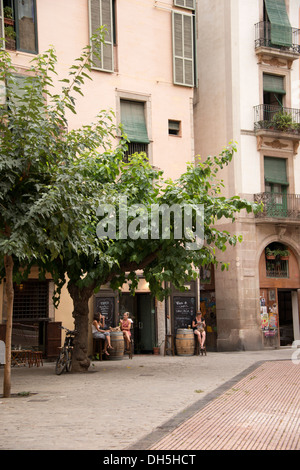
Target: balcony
[(268, 51), (277, 122), (278, 206)]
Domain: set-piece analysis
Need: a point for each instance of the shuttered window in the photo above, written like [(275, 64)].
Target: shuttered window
[(133, 121), (274, 84), (190, 4), (101, 14), (183, 48), (275, 170), (281, 31)]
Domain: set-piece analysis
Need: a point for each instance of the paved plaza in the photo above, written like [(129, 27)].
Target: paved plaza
[(156, 402)]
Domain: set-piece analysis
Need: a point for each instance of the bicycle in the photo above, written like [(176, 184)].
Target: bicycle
[(64, 360)]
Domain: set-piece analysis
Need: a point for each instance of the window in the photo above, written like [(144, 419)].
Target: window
[(189, 4), (20, 25), (276, 184), (275, 13), (174, 127), (274, 91), (102, 13), (31, 300), (183, 48), (134, 124), (277, 264)]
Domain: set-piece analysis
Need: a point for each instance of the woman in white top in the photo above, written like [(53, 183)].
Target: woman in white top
[(98, 331)]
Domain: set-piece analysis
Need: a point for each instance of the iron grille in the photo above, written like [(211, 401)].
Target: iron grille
[(135, 147), (263, 38), (279, 205), (31, 301)]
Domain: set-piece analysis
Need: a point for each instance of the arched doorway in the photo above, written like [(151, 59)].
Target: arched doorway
[(279, 279)]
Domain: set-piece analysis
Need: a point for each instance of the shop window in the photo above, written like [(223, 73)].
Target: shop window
[(20, 25)]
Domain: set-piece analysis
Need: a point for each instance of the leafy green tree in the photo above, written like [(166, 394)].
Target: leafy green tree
[(52, 182), (43, 187)]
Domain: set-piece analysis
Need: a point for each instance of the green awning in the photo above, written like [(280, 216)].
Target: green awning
[(275, 170), (133, 121), (281, 30), (274, 83)]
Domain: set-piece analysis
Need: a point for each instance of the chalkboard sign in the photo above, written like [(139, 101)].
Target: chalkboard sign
[(106, 306), (184, 311)]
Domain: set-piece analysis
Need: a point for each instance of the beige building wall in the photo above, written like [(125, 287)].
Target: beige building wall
[(143, 71)]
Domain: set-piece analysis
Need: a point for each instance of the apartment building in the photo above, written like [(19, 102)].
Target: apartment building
[(146, 77), (185, 77), (248, 92)]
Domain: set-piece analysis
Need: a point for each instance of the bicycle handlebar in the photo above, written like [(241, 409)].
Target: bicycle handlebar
[(72, 332)]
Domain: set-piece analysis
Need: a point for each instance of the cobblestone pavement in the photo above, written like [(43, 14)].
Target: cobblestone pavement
[(139, 403)]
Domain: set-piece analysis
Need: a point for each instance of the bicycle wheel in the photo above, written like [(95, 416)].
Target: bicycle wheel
[(69, 361), (61, 362)]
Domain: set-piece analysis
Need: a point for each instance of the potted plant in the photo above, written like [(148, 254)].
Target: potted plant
[(277, 253), (8, 16), (10, 37), (283, 121), (156, 348)]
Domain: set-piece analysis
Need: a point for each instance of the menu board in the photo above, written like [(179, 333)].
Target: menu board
[(106, 306), (184, 311)]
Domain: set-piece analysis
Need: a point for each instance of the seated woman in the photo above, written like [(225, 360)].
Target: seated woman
[(99, 331), (125, 327), (198, 325)]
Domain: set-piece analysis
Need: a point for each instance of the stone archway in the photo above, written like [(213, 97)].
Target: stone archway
[(279, 280)]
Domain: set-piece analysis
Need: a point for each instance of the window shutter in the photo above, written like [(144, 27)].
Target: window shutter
[(274, 84), (183, 49), (133, 121), (275, 170), (190, 4), (100, 12), (281, 31), (2, 43)]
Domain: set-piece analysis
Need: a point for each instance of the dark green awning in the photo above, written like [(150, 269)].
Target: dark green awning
[(281, 31), (275, 170), (133, 121), (274, 83)]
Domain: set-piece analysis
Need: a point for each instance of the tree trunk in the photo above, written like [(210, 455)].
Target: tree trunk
[(80, 299), (9, 289)]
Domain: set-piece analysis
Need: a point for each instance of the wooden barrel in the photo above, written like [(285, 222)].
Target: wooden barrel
[(117, 342), (185, 342)]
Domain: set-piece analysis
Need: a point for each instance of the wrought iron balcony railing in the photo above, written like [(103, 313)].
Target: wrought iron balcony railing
[(277, 118), (263, 38), (279, 205)]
